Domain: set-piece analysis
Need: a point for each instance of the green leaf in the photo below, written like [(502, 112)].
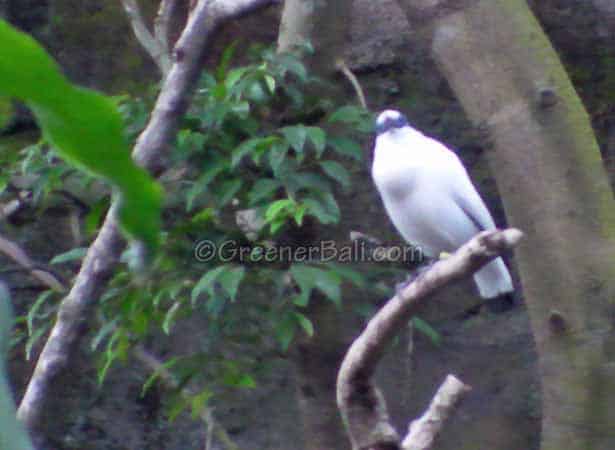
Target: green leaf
[(225, 61), (34, 338), (169, 318), (355, 277), (305, 323), (199, 401), (278, 207), (206, 283), (263, 189), (346, 147), (277, 154), (324, 207), (309, 277), (228, 276), (336, 171), (227, 191), (104, 331), (40, 300), (154, 376), (270, 82), (234, 76), (84, 126), (259, 144), (296, 136), (309, 181), (230, 279), (426, 329), (330, 285), (76, 254), (285, 331), (319, 139), (293, 65)]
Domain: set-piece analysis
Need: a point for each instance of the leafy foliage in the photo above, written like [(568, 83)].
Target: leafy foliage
[(255, 139), (83, 125)]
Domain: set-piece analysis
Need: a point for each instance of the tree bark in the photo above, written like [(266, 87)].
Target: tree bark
[(548, 168)]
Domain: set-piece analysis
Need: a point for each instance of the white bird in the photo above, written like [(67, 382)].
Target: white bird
[(429, 197)]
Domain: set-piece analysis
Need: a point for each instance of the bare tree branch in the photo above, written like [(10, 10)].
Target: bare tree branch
[(423, 431), (162, 24), (17, 254), (359, 399), (157, 49), (104, 253)]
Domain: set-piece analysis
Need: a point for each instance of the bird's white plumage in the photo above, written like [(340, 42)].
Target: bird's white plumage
[(429, 197)]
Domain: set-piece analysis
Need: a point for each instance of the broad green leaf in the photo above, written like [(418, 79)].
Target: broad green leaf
[(285, 331), (309, 277), (336, 171), (262, 189), (270, 82), (234, 76), (206, 283), (252, 145), (296, 136), (354, 276), (309, 181), (225, 61), (76, 254), (323, 206), (84, 126), (227, 191), (277, 154), (6, 112), (230, 279), (346, 147), (319, 139), (305, 323), (277, 207)]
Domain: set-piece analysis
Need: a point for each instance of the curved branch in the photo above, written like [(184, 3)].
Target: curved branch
[(359, 399)]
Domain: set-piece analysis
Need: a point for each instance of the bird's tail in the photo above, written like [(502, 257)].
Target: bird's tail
[(493, 279)]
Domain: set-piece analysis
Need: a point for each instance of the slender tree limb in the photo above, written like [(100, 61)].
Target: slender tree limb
[(17, 254), (342, 67), (423, 431), (162, 24), (104, 253), (359, 399), (158, 50)]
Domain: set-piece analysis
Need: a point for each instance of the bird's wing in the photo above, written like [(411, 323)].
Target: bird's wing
[(464, 193)]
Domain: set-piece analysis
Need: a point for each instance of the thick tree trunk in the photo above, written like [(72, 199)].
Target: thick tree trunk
[(325, 25), (548, 168)]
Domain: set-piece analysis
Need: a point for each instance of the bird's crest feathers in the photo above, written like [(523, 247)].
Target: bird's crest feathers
[(390, 119)]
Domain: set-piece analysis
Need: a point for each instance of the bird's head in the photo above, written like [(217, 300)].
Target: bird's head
[(389, 120)]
